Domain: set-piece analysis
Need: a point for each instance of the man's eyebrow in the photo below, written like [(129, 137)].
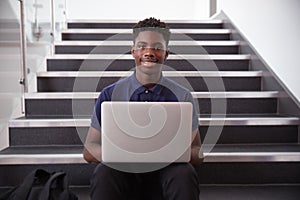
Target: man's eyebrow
[(142, 42)]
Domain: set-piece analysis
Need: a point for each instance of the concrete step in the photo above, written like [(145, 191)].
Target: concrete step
[(124, 47), (117, 62), (60, 104), (235, 164), (34, 131), (101, 24), (125, 34), (85, 81)]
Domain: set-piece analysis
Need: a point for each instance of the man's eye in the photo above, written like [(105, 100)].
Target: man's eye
[(157, 48), (141, 47)]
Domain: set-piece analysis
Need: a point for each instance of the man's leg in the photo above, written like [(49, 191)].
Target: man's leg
[(110, 184), (179, 181)]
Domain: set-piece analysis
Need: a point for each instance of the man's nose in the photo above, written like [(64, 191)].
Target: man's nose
[(149, 51)]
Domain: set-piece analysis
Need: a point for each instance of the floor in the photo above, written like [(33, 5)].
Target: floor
[(234, 192)]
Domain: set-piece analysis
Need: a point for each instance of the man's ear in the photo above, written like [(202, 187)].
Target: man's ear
[(167, 53), (132, 51)]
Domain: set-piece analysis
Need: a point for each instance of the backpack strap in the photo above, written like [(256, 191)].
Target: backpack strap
[(38, 176)]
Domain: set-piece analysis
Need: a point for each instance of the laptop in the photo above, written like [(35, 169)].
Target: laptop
[(146, 132)]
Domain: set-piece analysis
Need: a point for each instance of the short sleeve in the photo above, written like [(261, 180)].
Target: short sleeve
[(96, 116), (195, 122)]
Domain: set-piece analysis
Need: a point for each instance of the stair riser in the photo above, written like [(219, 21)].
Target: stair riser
[(78, 174), (127, 49), (81, 84), (209, 173), (100, 25), (253, 134), (125, 65), (124, 36), (13, 36), (59, 107), (47, 136), (30, 136), (68, 107), (249, 173)]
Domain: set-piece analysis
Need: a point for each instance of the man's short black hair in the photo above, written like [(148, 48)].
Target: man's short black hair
[(152, 24)]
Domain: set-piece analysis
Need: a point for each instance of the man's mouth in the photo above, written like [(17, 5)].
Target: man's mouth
[(149, 62)]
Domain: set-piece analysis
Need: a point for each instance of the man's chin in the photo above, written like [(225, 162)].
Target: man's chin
[(151, 70)]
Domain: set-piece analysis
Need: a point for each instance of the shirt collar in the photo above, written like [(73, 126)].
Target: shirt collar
[(136, 86)]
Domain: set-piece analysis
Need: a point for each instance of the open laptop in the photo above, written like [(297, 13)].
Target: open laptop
[(146, 132)]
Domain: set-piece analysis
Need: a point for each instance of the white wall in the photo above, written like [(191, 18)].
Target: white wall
[(138, 9), (273, 28)]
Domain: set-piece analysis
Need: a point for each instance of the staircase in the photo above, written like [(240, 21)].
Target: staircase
[(257, 155)]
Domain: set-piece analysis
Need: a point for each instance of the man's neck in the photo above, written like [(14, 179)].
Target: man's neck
[(148, 81)]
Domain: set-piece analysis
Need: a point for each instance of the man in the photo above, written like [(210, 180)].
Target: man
[(177, 181)]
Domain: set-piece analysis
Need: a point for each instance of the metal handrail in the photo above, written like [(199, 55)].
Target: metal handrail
[(23, 79), (52, 26)]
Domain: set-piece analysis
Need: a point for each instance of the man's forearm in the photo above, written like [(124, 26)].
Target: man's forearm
[(196, 156), (92, 152)]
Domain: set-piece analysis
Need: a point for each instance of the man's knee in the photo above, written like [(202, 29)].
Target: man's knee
[(182, 170), (102, 170)]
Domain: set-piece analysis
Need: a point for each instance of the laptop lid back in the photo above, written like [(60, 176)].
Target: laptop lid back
[(146, 132)]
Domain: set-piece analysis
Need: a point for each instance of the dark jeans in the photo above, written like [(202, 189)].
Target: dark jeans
[(178, 181)]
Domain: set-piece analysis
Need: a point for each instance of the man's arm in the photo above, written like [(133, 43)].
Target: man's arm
[(196, 155), (92, 147)]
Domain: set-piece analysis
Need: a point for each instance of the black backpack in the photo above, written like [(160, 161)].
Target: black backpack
[(41, 185)]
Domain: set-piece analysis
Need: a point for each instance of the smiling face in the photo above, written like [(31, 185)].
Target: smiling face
[(149, 52)]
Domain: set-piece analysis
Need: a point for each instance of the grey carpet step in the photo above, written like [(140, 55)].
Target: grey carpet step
[(225, 153), (13, 23), (125, 62), (125, 34), (58, 104), (10, 34), (124, 47), (194, 81), (78, 174), (238, 166), (232, 192), (237, 130), (249, 192), (97, 24), (224, 192)]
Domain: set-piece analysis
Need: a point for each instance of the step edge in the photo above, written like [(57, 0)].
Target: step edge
[(121, 74), (94, 95), (213, 21), (170, 57), (18, 159), (130, 43), (129, 31), (243, 121)]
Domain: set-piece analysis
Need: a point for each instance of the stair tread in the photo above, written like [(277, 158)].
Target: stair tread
[(113, 21), (129, 31), (165, 73), (244, 148), (220, 153), (199, 94), (232, 191), (170, 57), (129, 43), (84, 121), (219, 148)]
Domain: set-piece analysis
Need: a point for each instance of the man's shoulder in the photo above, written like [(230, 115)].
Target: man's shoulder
[(175, 86), (124, 82)]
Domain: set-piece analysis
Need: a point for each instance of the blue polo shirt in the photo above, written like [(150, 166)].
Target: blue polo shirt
[(129, 89)]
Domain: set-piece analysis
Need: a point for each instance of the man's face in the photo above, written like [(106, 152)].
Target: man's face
[(149, 52)]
